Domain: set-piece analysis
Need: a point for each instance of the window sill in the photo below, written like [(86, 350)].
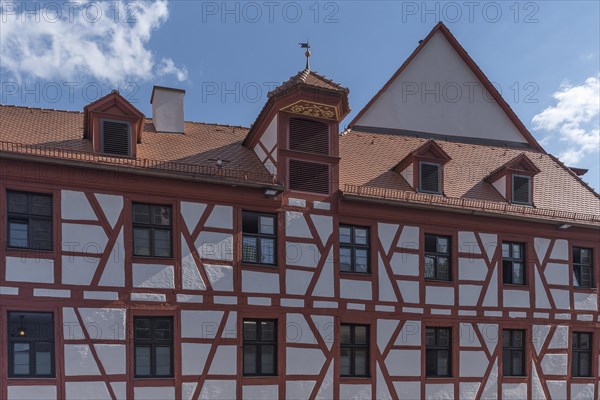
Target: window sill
[(440, 282), (166, 379), (36, 379), (355, 379), (269, 267), (152, 258), (21, 250), (524, 286), (368, 275), (515, 379), (585, 289), (439, 379)]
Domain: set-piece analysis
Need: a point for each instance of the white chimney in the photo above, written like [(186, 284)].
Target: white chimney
[(167, 109)]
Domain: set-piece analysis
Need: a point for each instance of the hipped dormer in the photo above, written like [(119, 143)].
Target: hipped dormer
[(296, 134), (423, 168), (514, 180), (113, 125)]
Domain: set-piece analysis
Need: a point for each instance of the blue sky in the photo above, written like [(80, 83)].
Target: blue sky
[(543, 56)]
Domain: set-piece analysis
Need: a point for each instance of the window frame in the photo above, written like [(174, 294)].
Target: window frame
[(512, 260), (353, 246), (259, 236), (32, 353), (102, 150), (153, 343), (353, 347), (439, 177), (16, 217), (576, 267), (576, 352), (437, 255), (152, 227), (511, 349), (436, 348), (258, 343), (529, 187)]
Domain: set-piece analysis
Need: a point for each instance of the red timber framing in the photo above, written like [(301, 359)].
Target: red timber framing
[(208, 292)]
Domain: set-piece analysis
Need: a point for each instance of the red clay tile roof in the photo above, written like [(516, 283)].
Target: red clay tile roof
[(310, 78), (367, 160), (44, 131)]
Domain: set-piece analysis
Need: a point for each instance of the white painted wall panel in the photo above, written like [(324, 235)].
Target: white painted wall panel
[(439, 295), (154, 393), (303, 361), (36, 270), (355, 289), (78, 270), (405, 264), (473, 363), (302, 254), (260, 392), (218, 390), (516, 298), (111, 206), (260, 282), (86, 391), (404, 362), (79, 360), (220, 217), (220, 277), (355, 392), (200, 324), (104, 323), (32, 392), (75, 206), (83, 238), (439, 391), (215, 245), (153, 276)]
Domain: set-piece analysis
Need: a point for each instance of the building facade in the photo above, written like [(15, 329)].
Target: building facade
[(433, 249)]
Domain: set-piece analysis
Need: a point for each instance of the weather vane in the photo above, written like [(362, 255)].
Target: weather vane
[(306, 46)]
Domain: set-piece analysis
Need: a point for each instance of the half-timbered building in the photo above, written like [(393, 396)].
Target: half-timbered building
[(432, 249)]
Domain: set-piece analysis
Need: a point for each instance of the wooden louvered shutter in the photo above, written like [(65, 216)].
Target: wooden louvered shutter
[(115, 137), (309, 136), (521, 189), (429, 178), (309, 177)]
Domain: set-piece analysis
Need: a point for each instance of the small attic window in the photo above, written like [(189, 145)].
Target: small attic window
[(521, 189), (115, 137), (309, 136), (430, 178)]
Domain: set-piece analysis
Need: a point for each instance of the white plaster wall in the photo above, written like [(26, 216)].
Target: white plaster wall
[(112, 357), (557, 274), (386, 233), (200, 324), (114, 270), (29, 270), (408, 174), (224, 362), (404, 362), (410, 334), (86, 391), (557, 389), (516, 298), (153, 276), (302, 254), (83, 238), (220, 217), (474, 269), (473, 363), (561, 298), (560, 340), (79, 360), (468, 295), (190, 275), (78, 270), (300, 390), (560, 250), (215, 245), (191, 213), (32, 392), (409, 291), (439, 295), (220, 276), (75, 206), (324, 226), (260, 282), (582, 391), (385, 330), (439, 391), (405, 264), (468, 390), (500, 186), (104, 323), (193, 357), (355, 392), (296, 282), (303, 361), (409, 237), (458, 110), (218, 390), (467, 243), (260, 392), (296, 226), (408, 390), (355, 289), (111, 206), (554, 364), (154, 393), (297, 330), (586, 301), (514, 391)]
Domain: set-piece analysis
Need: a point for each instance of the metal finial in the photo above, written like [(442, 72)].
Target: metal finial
[(306, 46)]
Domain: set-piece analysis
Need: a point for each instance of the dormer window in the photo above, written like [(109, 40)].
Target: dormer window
[(514, 180), (521, 189), (429, 177), (115, 137), (423, 169)]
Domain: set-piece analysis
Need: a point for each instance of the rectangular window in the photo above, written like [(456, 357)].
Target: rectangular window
[(354, 249), (115, 137), (513, 263), (259, 238), (521, 189), (583, 267), (260, 347), (30, 344), (354, 350), (309, 136), (513, 352), (437, 257), (439, 352), (151, 230), (429, 177), (153, 347), (29, 217), (581, 362)]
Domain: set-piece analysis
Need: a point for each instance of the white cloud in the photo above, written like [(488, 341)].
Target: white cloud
[(575, 119), (83, 40)]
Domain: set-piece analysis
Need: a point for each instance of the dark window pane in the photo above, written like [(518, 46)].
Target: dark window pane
[(17, 232), (442, 244), (162, 329), (361, 362), (429, 178), (345, 334), (443, 267), (43, 358), (584, 364), (361, 260), (429, 267), (18, 203), (506, 363), (143, 329), (41, 205), (430, 243), (521, 189), (443, 363), (443, 337), (584, 341), (360, 236), (430, 337), (250, 360), (431, 363), (259, 240), (267, 330), (345, 235), (21, 358), (250, 222), (141, 241), (161, 215), (267, 225), (141, 213), (250, 331), (505, 250), (267, 360), (345, 361), (163, 361), (346, 259), (354, 254), (517, 360), (30, 344), (360, 334), (142, 360), (162, 243)]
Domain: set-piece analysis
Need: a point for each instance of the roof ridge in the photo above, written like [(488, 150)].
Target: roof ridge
[(216, 124), (40, 108), (573, 174)]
